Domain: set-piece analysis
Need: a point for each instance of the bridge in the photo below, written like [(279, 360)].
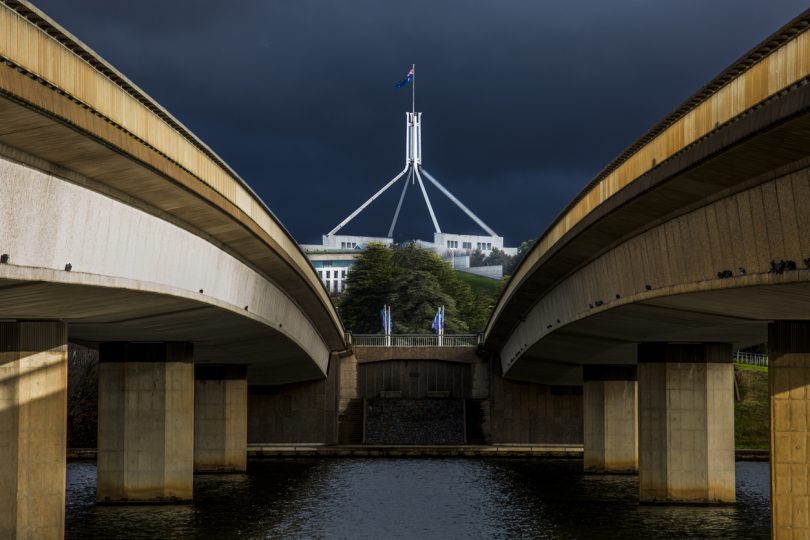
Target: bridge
[(121, 230), (690, 244)]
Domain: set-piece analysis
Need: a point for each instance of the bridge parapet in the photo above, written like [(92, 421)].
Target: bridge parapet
[(414, 340)]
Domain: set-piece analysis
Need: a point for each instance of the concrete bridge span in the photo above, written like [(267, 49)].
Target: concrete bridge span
[(78, 136), (691, 243), (121, 230)]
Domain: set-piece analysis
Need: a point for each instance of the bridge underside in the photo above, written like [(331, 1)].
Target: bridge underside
[(734, 315), (100, 314)]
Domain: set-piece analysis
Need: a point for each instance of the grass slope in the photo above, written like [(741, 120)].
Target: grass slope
[(752, 413), (479, 284)]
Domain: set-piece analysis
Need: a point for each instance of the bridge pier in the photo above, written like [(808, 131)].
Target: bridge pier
[(145, 422), (33, 419), (789, 374), (609, 412), (220, 418), (686, 423)]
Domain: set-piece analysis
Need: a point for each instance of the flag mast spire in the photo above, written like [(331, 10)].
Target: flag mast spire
[(413, 90)]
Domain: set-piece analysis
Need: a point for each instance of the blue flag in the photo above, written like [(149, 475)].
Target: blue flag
[(406, 81)]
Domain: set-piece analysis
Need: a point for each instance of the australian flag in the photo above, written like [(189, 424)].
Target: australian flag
[(407, 80)]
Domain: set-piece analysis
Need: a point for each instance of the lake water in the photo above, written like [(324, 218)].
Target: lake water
[(417, 498)]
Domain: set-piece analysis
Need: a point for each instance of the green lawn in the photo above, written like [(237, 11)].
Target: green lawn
[(479, 284), (752, 412)]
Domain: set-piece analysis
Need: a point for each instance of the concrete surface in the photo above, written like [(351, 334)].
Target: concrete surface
[(33, 416), (789, 373), (220, 419), (686, 423), (145, 423), (609, 409)]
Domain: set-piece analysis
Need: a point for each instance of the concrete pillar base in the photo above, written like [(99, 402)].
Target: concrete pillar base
[(686, 423), (33, 432), (609, 414), (220, 419), (789, 380), (145, 423)]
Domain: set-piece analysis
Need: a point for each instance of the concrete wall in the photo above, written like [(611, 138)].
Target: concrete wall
[(531, 413), (492, 272), (295, 413), (497, 410)]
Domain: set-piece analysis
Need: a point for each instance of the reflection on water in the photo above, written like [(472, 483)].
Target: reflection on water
[(417, 498)]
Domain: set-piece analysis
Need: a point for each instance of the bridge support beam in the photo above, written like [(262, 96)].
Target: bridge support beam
[(33, 419), (686, 423), (145, 422), (220, 418), (609, 414), (789, 374)]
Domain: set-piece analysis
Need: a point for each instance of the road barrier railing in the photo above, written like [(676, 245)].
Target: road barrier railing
[(750, 359), (414, 340)]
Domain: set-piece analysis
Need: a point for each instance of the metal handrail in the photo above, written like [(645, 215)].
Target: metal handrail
[(415, 340), (750, 359)]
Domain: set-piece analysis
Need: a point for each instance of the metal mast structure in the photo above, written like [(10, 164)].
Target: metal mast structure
[(413, 171)]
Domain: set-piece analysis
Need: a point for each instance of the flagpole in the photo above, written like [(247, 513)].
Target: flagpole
[(413, 90)]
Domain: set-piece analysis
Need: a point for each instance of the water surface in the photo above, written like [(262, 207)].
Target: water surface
[(417, 498)]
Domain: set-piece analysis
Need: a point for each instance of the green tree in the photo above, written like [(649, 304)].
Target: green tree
[(415, 282), (367, 289), (415, 298)]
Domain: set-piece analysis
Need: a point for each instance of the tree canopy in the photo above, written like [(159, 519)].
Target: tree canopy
[(415, 283)]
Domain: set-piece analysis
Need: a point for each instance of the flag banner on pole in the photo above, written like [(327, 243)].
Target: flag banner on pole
[(437, 323), (383, 319), (406, 81)]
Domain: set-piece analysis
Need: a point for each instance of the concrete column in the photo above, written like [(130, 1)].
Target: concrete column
[(686, 423), (145, 422), (33, 432), (609, 415), (789, 375), (220, 418)]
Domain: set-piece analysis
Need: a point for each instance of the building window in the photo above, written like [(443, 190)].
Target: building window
[(328, 284), (489, 246), (320, 274), (343, 286), (343, 274), (336, 287), (327, 274), (327, 264), (466, 245)]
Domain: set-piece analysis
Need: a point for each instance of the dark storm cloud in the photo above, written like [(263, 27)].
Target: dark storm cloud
[(523, 101)]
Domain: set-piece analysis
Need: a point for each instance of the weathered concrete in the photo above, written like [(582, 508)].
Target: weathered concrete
[(609, 397), (531, 413), (448, 354), (145, 422), (686, 423), (220, 418), (170, 285), (33, 416), (789, 373), (295, 413)]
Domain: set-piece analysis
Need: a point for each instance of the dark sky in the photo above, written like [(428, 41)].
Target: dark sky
[(523, 101)]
